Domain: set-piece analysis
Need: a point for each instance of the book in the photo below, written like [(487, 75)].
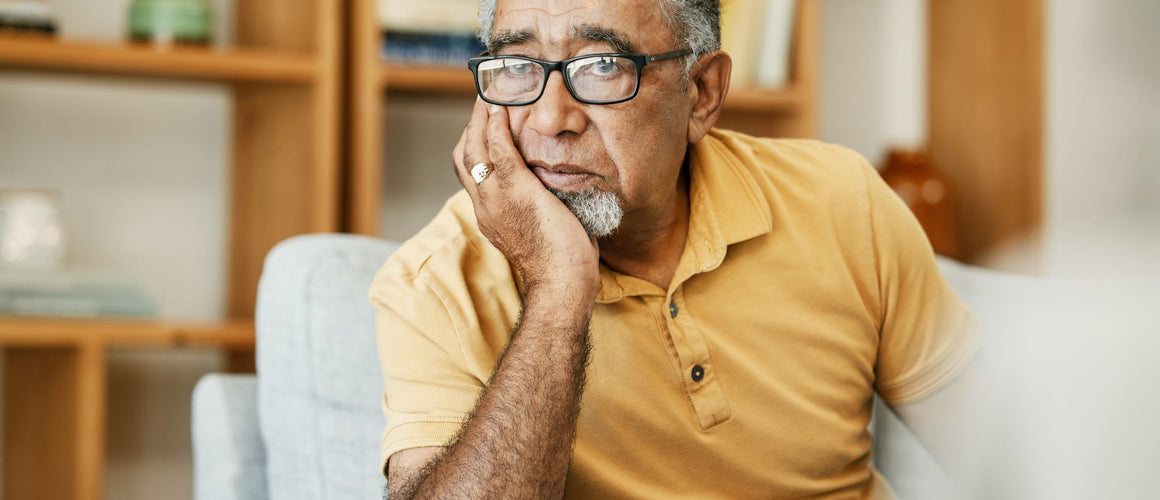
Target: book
[(26, 16), (440, 32), (774, 53), (740, 25), (758, 36), (429, 16), (72, 293), (431, 48)]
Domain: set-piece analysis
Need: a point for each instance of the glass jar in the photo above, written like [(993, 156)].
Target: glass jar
[(32, 230), (166, 22)]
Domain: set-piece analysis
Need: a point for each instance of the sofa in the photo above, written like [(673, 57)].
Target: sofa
[(307, 426)]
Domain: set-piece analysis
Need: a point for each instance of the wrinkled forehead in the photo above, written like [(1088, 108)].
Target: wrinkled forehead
[(566, 25)]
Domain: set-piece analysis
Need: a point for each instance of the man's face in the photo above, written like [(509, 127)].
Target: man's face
[(632, 150)]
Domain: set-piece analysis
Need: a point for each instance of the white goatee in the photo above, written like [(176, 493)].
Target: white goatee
[(598, 211)]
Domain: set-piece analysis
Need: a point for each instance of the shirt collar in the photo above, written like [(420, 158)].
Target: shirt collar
[(726, 207)]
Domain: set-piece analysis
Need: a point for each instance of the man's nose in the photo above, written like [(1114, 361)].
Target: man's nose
[(556, 112)]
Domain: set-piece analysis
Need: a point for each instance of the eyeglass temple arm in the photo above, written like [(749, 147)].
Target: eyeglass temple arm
[(669, 55)]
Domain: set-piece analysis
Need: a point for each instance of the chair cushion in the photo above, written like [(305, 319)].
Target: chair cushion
[(319, 383), (229, 461)]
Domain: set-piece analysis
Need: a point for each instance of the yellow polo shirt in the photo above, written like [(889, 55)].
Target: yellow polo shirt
[(804, 286)]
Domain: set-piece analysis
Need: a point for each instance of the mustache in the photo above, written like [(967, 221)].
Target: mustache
[(553, 155)]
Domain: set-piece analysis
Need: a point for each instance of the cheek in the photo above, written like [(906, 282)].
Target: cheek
[(653, 149), (647, 160)]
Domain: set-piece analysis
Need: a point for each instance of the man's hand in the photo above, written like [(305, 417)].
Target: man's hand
[(540, 237)]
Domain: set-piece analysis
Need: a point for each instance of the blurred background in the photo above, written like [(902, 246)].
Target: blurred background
[(150, 155)]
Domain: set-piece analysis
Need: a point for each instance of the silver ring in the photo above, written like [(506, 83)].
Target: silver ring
[(479, 172)]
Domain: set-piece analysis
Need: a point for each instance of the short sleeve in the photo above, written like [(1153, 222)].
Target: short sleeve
[(429, 391), (927, 335)]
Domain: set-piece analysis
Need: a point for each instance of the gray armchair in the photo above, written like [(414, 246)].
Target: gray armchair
[(308, 425)]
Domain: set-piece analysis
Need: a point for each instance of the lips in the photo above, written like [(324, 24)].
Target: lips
[(562, 176)]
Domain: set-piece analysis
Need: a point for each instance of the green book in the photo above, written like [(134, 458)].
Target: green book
[(72, 293)]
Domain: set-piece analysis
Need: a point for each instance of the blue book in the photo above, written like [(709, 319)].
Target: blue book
[(431, 48)]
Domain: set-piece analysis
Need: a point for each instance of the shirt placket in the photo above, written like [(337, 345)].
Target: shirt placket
[(698, 375)]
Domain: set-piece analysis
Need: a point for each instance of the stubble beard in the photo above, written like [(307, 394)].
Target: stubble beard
[(598, 211)]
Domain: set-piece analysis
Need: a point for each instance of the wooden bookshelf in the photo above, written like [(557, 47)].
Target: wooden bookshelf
[(787, 101), (55, 396), (787, 112), (285, 76), (986, 117), (234, 65), (25, 332)]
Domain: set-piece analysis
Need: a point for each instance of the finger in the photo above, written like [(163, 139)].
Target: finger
[(457, 155), (464, 159), (502, 149), (474, 145)]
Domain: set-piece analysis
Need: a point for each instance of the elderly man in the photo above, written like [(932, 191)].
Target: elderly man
[(626, 302)]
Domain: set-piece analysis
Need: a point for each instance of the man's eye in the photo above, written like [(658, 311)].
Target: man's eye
[(518, 68), (606, 66)]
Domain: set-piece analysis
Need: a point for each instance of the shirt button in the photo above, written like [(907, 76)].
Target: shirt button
[(673, 310), (698, 373)]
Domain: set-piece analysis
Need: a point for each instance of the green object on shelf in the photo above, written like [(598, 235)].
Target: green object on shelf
[(170, 21)]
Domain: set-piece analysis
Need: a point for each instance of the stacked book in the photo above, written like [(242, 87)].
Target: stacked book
[(429, 31), (26, 16), (76, 294), (758, 35)]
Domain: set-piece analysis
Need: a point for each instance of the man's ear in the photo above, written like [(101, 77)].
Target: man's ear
[(709, 84)]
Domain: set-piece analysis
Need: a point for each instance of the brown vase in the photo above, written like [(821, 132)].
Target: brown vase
[(929, 195)]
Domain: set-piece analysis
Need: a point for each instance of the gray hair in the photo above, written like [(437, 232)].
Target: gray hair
[(695, 24)]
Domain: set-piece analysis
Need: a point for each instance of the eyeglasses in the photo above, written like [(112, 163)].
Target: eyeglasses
[(590, 78)]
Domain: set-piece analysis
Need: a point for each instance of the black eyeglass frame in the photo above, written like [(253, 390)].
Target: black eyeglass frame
[(640, 60)]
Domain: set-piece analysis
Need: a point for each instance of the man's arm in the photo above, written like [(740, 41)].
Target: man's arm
[(518, 441)]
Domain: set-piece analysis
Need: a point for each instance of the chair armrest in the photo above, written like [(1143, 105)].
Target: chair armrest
[(229, 458)]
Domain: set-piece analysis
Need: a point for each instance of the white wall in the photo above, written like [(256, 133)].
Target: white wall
[(419, 135), (1103, 137), (872, 92)]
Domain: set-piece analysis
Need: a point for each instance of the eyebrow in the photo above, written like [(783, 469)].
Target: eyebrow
[(503, 39), (506, 38), (596, 33)]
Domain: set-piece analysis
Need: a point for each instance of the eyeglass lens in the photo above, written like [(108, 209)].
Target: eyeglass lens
[(596, 79)]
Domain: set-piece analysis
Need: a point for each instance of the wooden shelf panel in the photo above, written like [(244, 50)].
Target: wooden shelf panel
[(453, 80), (241, 65), (763, 100), (16, 331), (457, 81)]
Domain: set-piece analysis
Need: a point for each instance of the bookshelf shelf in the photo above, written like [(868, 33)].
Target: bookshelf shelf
[(58, 332), (756, 100), (234, 65), (427, 79)]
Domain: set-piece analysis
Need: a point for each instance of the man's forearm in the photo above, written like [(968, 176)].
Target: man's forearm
[(518, 442)]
